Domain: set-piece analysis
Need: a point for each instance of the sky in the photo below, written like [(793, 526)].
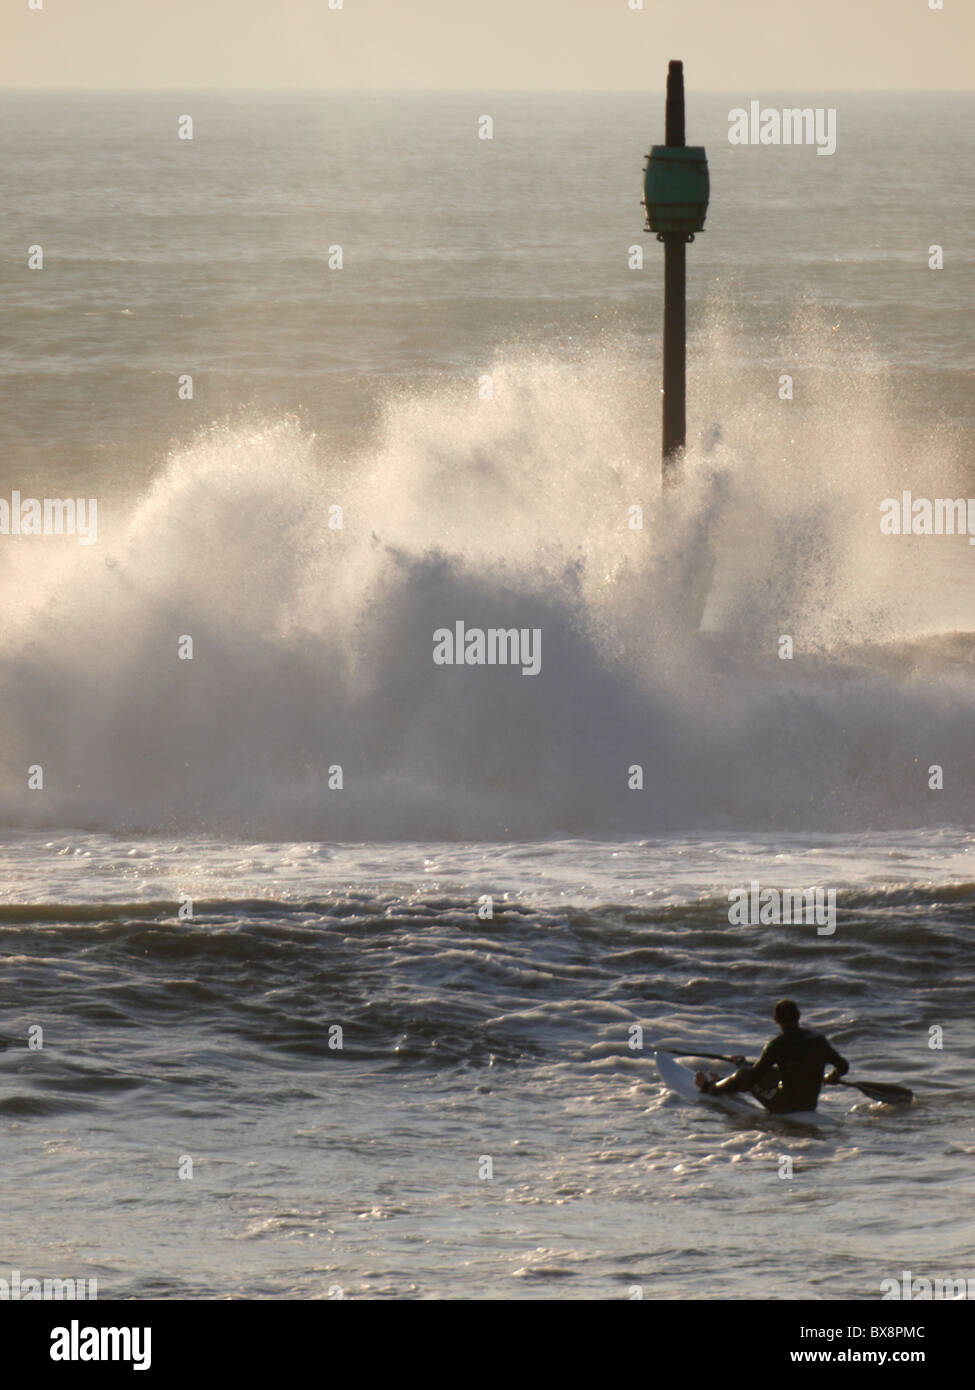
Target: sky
[(603, 45)]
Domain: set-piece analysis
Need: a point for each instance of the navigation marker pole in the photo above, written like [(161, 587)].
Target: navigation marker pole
[(676, 190)]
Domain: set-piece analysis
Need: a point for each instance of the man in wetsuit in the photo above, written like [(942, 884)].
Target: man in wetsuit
[(789, 1073)]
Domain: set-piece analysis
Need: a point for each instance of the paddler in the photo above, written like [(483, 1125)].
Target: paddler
[(789, 1073)]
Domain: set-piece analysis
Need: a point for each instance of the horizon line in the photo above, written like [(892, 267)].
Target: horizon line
[(465, 91)]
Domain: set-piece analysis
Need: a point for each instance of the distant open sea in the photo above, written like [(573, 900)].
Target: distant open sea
[(328, 925)]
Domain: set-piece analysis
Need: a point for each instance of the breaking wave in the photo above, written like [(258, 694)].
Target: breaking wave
[(660, 645)]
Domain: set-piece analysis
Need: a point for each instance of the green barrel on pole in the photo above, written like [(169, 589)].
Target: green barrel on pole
[(676, 189)]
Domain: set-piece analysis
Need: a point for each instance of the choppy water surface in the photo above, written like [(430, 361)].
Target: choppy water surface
[(468, 1037), (463, 1038)]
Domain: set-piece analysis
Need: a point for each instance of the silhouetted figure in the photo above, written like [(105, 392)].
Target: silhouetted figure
[(789, 1073)]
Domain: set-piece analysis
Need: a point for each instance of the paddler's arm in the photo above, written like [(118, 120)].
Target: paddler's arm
[(746, 1077), (840, 1065)]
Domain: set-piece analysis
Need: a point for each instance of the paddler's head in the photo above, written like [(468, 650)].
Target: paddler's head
[(786, 1014)]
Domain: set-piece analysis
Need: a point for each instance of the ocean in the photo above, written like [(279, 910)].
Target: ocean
[(349, 966)]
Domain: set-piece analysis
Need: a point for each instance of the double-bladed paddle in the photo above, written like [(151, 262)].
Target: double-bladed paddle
[(884, 1091)]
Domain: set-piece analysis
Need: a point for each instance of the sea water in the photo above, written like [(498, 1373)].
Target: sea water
[(331, 970)]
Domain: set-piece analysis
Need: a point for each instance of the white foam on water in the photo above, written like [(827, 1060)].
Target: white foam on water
[(313, 646)]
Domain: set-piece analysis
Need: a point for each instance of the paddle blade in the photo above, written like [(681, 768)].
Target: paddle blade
[(883, 1091)]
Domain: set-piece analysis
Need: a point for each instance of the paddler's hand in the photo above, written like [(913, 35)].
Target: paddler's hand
[(833, 1078), (702, 1082)]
